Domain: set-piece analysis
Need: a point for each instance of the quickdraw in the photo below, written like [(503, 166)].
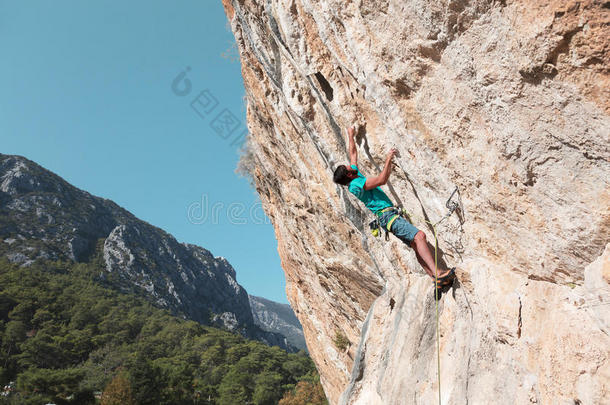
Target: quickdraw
[(452, 205)]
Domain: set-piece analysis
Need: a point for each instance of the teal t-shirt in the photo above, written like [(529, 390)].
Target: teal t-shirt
[(374, 199)]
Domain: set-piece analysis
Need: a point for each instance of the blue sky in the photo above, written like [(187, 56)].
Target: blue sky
[(88, 92)]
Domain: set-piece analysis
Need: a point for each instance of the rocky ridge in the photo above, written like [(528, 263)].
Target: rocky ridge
[(506, 100), (44, 217), (276, 317)]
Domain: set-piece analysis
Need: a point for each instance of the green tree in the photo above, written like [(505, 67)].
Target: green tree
[(177, 377), (236, 388), (297, 364), (40, 317), (56, 383), (267, 390), (42, 351), (6, 305), (145, 380), (101, 365), (237, 352), (14, 333), (24, 311)]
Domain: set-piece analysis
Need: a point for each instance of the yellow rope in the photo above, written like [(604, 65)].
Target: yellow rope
[(436, 297), (438, 340)]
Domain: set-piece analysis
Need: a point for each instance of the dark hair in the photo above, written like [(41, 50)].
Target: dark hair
[(340, 176)]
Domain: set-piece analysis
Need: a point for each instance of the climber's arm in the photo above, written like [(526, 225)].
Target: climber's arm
[(353, 153), (383, 177)]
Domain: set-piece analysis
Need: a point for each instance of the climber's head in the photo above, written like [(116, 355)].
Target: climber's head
[(343, 175)]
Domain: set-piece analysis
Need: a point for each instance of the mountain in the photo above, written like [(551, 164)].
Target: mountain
[(44, 217), (275, 317), (505, 100)]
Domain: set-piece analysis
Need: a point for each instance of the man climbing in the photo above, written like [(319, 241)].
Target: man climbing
[(368, 191)]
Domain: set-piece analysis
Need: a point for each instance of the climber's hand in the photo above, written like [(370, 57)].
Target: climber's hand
[(393, 152), (383, 177), (351, 131)]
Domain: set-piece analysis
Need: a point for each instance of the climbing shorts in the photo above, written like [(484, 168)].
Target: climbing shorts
[(401, 228)]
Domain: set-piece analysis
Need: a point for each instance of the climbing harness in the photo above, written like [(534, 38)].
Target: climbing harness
[(375, 225), (453, 203)]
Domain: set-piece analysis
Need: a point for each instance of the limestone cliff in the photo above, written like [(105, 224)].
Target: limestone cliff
[(506, 100)]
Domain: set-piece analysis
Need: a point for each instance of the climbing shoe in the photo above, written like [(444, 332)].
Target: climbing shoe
[(447, 279), (442, 282)]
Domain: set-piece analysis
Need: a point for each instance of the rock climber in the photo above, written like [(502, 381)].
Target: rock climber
[(368, 191)]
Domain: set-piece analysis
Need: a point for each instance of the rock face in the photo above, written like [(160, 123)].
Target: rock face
[(506, 100), (280, 318), (44, 217)]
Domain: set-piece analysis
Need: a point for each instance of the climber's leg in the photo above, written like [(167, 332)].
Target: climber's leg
[(424, 255), (413, 237), (421, 261)]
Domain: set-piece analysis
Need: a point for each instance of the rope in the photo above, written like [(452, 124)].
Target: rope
[(451, 206), (436, 297)]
